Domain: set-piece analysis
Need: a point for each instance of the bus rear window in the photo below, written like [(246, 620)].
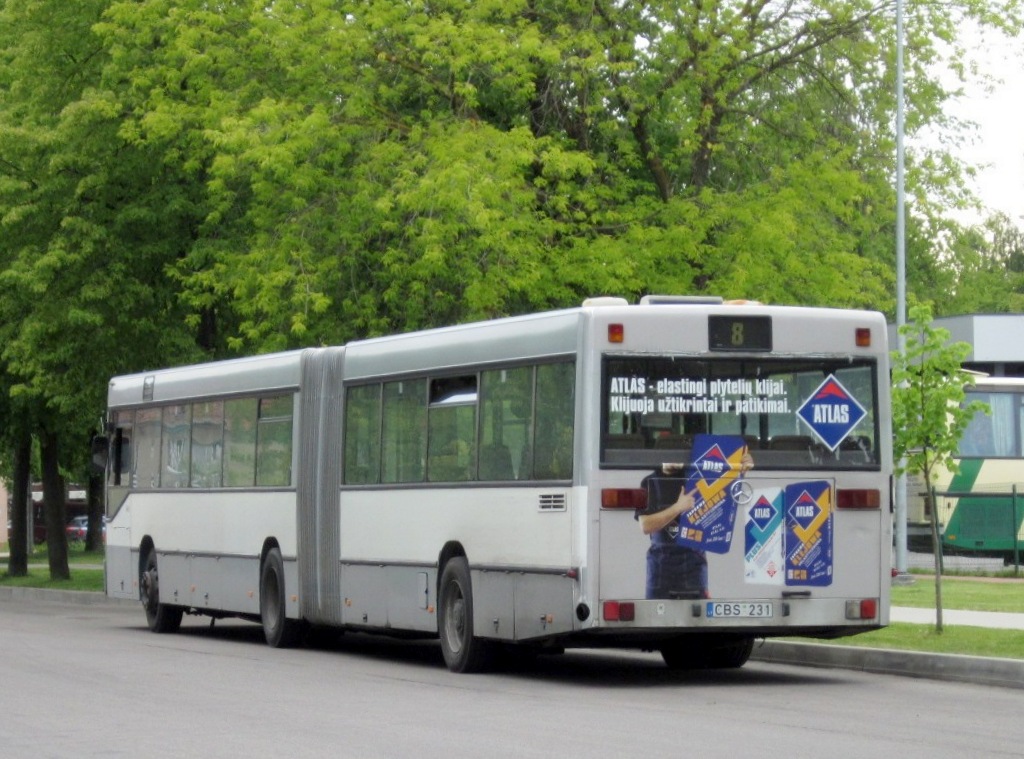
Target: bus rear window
[(792, 413)]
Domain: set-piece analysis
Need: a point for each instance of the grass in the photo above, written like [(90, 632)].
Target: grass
[(979, 594), (972, 641), (86, 571), (976, 594), (81, 579)]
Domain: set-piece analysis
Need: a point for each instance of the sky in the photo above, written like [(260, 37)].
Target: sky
[(999, 144)]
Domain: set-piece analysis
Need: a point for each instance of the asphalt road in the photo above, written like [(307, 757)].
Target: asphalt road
[(82, 680)]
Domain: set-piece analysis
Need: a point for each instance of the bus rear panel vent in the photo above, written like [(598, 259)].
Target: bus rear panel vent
[(552, 502)]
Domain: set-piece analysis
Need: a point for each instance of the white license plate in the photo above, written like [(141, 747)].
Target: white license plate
[(740, 609)]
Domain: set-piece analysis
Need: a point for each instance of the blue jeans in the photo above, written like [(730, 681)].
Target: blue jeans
[(676, 572)]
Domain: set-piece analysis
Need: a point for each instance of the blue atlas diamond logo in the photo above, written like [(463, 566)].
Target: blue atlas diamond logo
[(713, 464), (762, 513), (831, 412), (804, 510)]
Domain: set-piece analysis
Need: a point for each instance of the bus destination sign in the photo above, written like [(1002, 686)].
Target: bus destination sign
[(739, 333)]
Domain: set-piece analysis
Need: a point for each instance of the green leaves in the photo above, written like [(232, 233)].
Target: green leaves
[(929, 414), (181, 180)]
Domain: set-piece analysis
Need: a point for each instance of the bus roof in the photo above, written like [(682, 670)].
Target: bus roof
[(268, 372), (531, 337)]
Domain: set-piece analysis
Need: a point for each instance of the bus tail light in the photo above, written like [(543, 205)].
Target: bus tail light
[(619, 611), (848, 498), (865, 608), (623, 498), (616, 333), (863, 337)]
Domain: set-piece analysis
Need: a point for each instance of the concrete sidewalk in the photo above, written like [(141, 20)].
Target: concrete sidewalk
[(994, 619)]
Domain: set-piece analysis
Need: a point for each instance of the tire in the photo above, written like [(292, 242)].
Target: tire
[(707, 652), (463, 651), (279, 631), (161, 617)]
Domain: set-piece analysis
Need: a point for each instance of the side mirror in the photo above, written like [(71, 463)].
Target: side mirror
[(98, 461)]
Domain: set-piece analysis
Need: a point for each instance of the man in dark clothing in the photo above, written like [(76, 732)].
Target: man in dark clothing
[(673, 570)]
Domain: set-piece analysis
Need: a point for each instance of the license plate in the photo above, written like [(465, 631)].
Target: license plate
[(740, 609)]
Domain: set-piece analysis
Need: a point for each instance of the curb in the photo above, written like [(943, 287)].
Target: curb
[(1007, 673), (77, 597)]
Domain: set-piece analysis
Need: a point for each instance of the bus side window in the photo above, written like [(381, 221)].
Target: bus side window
[(496, 462), (147, 448), (362, 435), (554, 412), (121, 448), (451, 429), (240, 443), (404, 431), (207, 444), (176, 454), (505, 422), (274, 441)]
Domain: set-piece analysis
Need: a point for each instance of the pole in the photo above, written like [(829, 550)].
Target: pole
[(900, 506), (1013, 534)]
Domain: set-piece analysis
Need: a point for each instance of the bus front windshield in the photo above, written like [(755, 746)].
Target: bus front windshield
[(799, 413)]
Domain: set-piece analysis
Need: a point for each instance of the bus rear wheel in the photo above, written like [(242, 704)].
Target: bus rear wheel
[(161, 617), (463, 651), (707, 652), (279, 631)]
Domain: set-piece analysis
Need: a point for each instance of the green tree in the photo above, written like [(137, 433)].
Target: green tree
[(929, 414), (88, 227), (182, 180), (386, 166), (986, 266)]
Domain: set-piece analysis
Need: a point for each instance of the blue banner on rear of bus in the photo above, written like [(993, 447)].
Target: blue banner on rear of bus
[(808, 533), (716, 464)]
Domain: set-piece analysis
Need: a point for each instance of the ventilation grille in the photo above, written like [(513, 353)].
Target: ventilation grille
[(552, 502)]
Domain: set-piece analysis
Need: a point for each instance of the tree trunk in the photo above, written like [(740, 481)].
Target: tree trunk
[(17, 562), (937, 553), (55, 508)]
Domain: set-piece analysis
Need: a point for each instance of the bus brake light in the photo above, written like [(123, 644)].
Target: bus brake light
[(848, 498), (866, 608), (863, 335), (616, 333), (619, 611), (623, 498)]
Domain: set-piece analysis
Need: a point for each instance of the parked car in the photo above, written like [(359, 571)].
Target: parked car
[(77, 528)]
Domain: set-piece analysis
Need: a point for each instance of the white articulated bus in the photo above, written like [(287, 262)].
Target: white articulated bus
[(682, 475)]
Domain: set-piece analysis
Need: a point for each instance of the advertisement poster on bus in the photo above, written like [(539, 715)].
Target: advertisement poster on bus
[(808, 533), (762, 531), (717, 462)]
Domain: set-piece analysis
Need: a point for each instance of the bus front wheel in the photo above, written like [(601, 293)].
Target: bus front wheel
[(463, 651), (279, 631), (161, 617)]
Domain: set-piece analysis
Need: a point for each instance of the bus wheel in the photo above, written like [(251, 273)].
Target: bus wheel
[(699, 652), (279, 631), (463, 652), (161, 618)]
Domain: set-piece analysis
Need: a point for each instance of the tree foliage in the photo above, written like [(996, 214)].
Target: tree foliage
[(929, 413), (184, 179)]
